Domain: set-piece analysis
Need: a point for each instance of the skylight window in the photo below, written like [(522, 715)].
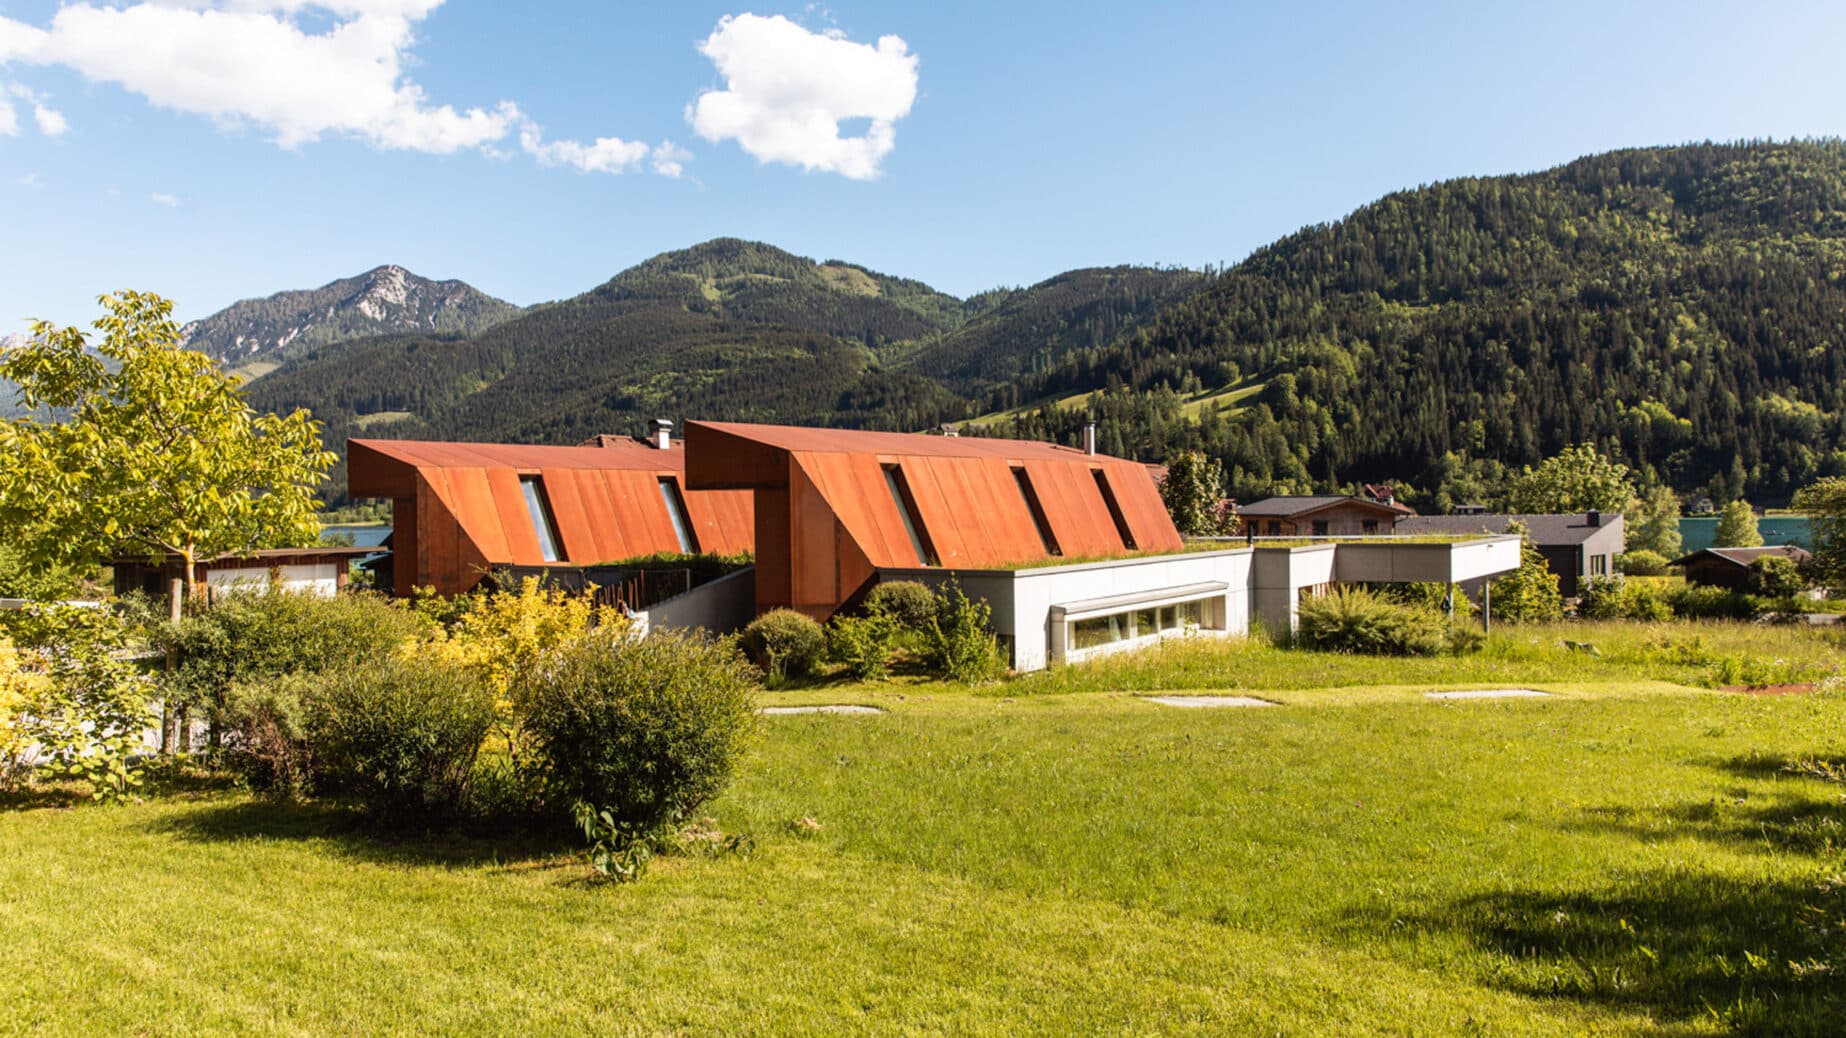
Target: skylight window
[(907, 508), (1115, 509), (546, 527), (676, 509), (1039, 518)]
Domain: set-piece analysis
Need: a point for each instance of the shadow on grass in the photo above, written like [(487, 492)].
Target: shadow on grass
[(1686, 945), (516, 846), (1677, 946)]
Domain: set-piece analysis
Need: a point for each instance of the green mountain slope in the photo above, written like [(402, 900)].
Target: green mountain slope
[(1683, 307), (256, 333), (727, 329)]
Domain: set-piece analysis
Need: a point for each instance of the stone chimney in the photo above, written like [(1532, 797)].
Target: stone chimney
[(1089, 439), (662, 435)]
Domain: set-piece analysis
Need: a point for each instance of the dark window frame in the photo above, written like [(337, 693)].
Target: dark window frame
[(1115, 509), (906, 504), (1033, 505)]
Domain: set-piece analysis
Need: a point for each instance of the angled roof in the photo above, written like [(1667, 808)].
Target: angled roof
[(1573, 528), (966, 491), (606, 502), (803, 439), (1742, 557), (1294, 506)]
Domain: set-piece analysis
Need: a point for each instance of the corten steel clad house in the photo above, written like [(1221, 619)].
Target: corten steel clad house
[(835, 507), (1074, 551), (838, 510), (461, 509)]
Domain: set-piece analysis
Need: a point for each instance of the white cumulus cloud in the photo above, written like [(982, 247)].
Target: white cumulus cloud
[(787, 90), (248, 61), (299, 70), (162, 198), (51, 122), (669, 159), (603, 155)]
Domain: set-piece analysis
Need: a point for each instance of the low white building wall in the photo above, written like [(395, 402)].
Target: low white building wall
[(1023, 600), (320, 578)]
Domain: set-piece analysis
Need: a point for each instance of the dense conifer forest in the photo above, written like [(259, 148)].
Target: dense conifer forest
[(1679, 307)]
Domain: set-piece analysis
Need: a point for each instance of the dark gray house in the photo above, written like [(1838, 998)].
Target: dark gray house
[(1576, 546)]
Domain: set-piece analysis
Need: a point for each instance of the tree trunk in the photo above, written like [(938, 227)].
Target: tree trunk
[(170, 718)]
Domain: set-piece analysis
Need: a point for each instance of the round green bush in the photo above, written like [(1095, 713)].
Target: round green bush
[(1643, 602), (398, 735), (1643, 563), (1602, 598), (1773, 576), (785, 643), (646, 729), (1354, 620), (911, 604), (862, 643)]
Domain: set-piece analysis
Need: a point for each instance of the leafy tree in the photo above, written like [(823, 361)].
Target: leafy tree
[(1737, 527), (1577, 479), (158, 452), (1824, 503), (1773, 576), (1192, 490), (1529, 593), (1656, 523)]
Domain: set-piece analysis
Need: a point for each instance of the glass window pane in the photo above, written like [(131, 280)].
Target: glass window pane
[(543, 525), (676, 510)]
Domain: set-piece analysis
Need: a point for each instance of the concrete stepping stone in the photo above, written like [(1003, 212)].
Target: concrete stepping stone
[(1197, 702), (1491, 693), (827, 708)]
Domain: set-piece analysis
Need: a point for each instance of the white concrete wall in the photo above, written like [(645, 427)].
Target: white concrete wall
[(1022, 599), (319, 578), (1277, 576)]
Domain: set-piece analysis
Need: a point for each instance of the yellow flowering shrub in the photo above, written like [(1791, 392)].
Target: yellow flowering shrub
[(21, 684), (507, 635)]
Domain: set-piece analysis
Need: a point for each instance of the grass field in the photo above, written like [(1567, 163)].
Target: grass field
[(1628, 856)]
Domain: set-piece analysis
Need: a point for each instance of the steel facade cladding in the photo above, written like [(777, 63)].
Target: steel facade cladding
[(460, 508), (827, 494)]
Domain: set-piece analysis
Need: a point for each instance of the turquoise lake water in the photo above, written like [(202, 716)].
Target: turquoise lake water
[(1776, 529), (363, 536)]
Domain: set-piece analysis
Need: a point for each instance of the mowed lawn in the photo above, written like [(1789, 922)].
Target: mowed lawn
[(1624, 857)]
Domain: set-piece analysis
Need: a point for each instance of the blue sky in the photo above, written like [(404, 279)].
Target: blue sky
[(212, 150)]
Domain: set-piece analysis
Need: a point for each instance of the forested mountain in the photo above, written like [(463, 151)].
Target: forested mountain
[(1683, 308), (1014, 332), (382, 300), (728, 330)]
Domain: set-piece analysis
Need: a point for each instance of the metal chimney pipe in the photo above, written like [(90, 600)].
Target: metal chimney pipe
[(663, 433), (1089, 439)]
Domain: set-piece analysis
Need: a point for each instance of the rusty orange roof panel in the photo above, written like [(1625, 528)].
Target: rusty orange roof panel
[(467, 509)]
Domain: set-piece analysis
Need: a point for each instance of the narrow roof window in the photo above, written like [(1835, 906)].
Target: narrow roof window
[(546, 527), (907, 508), (676, 509), (1043, 522), (1115, 509)]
